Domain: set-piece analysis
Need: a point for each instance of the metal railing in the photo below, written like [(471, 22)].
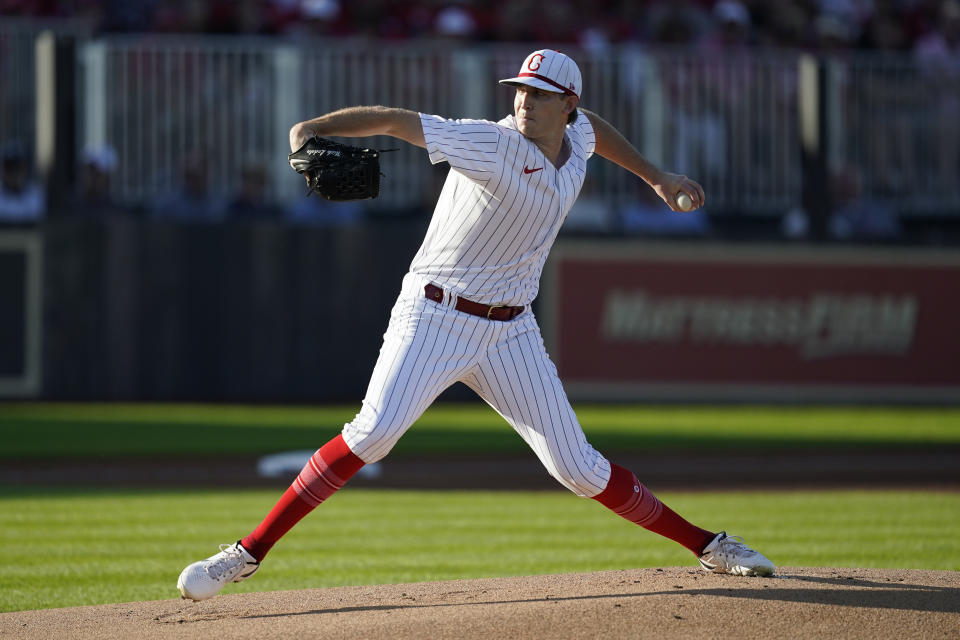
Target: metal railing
[(160, 101), (335, 75), (17, 71), (730, 121), (895, 129)]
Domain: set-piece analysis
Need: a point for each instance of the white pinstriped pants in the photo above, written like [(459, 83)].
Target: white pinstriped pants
[(429, 346)]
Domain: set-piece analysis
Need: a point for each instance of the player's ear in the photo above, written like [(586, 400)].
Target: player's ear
[(570, 108)]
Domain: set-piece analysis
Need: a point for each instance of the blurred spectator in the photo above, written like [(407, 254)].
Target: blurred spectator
[(516, 22), (192, 202), (938, 54), (182, 16), (21, 199), (647, 214), (455, 22), (853, 215), (856, 217), (97, 164), (784, 24), (122, 15), (701, 128), (315, 18), (560, 23), (734, 25), (795, 224), (594, 40), (884, 29), (676, 23), (251, 201), (843, 20), (317, 212), (593, 24), (832, 33), (590, 213)]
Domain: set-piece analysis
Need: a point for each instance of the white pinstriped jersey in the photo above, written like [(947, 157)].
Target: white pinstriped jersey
[(500, 209)]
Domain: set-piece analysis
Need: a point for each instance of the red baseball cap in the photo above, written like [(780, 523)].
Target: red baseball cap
[(551, 71)]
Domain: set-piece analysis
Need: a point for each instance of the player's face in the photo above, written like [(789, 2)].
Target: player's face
[(540, 112)]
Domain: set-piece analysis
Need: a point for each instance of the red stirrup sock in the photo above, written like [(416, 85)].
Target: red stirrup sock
[(326, 472), (629, 499)]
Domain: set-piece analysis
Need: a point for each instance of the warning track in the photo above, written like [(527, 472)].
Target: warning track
[(919, 469)]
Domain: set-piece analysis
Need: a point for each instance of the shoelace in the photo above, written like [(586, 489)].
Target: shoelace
[(733, 545), (224, 564)]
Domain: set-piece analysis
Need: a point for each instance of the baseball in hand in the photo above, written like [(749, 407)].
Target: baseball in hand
[(684, 203)]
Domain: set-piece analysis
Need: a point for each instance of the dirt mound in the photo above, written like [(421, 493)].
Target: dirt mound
[(644, 603)]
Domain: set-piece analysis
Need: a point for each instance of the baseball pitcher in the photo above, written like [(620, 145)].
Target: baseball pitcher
[(463, 313)]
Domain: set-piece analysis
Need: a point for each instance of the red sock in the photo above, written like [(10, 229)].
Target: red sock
[(629, 499), (326, 472)]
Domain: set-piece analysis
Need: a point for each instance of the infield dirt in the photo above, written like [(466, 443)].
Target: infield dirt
[(662, 603)]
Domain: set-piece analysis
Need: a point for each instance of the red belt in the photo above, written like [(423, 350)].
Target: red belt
[(491, 312)]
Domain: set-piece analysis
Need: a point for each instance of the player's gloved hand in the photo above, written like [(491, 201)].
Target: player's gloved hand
[(338, 171)]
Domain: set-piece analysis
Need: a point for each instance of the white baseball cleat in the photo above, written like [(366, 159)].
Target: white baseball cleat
[(204, 579), (728, 554)]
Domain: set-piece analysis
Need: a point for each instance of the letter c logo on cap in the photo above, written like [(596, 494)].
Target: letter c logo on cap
[(535, 61)]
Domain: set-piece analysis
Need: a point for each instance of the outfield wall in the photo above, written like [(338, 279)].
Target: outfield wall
[(129, 309), (144, 310), (664, 321)]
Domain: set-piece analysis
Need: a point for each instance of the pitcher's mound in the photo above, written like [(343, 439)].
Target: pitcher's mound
[(644, 603)]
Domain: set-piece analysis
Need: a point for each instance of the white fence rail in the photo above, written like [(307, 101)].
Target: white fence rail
[(729, 121), (17, 72), (342, 74), (895, 128), (159, 102)]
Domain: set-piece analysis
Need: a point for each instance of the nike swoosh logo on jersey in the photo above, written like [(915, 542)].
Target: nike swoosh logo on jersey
[(529, 170)]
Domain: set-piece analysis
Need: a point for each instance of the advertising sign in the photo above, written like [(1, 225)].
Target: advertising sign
[(778, 323)]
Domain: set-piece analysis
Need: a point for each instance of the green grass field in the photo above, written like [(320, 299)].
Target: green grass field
[(65, 548), (109, 430), (73, 546)]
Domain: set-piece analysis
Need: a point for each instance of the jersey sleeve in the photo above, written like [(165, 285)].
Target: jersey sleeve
[(584, 131), (469, 146)]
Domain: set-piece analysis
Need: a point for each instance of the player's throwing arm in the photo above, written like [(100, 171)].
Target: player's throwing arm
[(678, 191)]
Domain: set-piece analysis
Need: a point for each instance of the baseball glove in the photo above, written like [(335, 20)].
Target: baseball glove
[(338, 171)]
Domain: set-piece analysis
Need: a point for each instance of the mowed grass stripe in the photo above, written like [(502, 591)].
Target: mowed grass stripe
[(67, 548), (38, 431)]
